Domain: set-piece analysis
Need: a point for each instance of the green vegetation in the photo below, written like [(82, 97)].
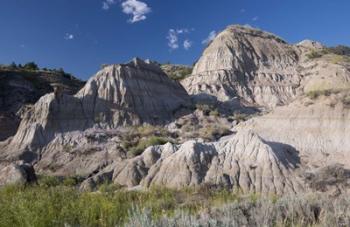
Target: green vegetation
[(137, 139), (338, 54), (176, 72), (314, 94), (61, 205), (213, 132), (240, 117), (144, 143), (316, 54), (208, 109), (33, 67)]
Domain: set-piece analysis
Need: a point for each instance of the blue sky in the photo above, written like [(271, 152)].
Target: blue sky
[(80, 35)]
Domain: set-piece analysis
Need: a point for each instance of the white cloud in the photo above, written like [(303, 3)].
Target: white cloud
[(242, 10), (210, 37), (173, 38), (68, 36), (107, 4), (187, 44), (137, 9), (255, 18)]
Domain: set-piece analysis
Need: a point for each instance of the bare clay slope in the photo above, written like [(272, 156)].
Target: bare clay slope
[(125, 94), (256, 66)]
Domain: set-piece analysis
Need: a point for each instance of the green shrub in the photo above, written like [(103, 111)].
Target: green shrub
[(214, 113), (240, 117), (49, 181), (213, 132), (314, 54), (346, 100), (31, 66), (206, 109), (317, 93), (70, 181), (65, 206), (144, 143)]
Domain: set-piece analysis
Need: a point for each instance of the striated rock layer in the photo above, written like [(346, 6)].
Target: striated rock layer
[(126, 94), (20, 88), (241, 162)]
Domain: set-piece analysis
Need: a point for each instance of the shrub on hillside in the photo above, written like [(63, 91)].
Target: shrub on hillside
[(31, 66)]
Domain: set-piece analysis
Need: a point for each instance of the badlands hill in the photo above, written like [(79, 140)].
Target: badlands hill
[(296, 140), (20, 88)]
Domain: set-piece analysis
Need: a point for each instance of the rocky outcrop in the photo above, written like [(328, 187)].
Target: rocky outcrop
[(119, 95), (318, 128), (243, 162), (133, 93), (256, 66), (177, 72), (20, 88), (16, 174)]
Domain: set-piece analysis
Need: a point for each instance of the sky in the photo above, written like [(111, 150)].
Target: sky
[(81, 35)]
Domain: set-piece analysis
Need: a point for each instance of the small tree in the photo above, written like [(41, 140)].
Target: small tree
[(13, 65), (31, 66)]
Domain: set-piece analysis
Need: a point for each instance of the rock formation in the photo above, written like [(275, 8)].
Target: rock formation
[(19, 89), (300, 140), (241, 162), (119, 95)]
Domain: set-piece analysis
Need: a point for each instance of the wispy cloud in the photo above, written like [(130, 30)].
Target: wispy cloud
[(210, 37), (107, 4), (137, 9), (255, 18), (173, 38), (187, 44), (242, 10), (68, 36)]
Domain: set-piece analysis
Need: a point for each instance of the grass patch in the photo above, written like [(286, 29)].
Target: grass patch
[(144, 143), (213, 132), (317, 93), (137, 139), (65, 206)]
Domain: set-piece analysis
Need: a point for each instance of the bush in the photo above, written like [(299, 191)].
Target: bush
[(206, 109), (31, 66), (49, 181), (240, 117), (317, 93), (314, 54), (66, 206), (214, 113), (213, 132), (143, 144)]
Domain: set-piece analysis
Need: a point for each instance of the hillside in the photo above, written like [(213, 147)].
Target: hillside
[(21, 87)]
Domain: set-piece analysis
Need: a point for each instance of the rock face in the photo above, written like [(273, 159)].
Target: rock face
[(16, 174), (126, 94), (244, 162), (21, 88), (300, 144), (132, 93), (318, 128), (255, 66)]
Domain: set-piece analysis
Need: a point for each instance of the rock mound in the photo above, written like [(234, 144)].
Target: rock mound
[(20, 88), (244, 162), (256, 66), (118, 95), (318, 127)]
